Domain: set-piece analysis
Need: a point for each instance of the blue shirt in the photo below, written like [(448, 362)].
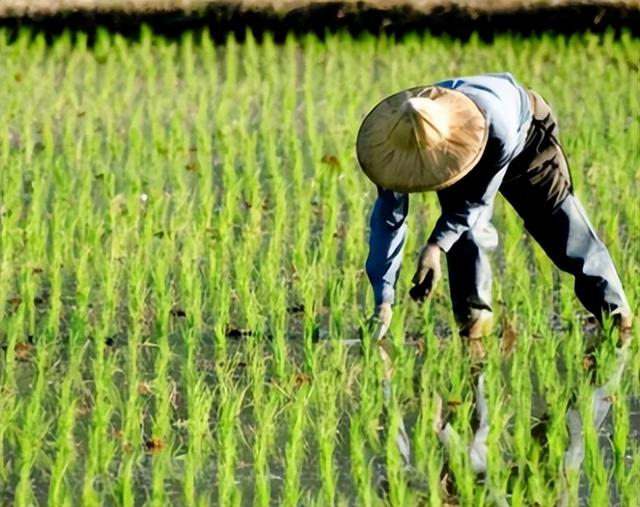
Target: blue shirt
[(507, 110)]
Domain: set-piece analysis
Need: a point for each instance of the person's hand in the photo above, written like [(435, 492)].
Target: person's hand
[(427, 273), (381, 320)]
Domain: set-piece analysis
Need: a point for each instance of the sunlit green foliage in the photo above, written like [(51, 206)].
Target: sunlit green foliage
[(183, 232)]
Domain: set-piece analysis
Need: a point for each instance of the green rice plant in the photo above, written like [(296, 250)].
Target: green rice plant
[(295, 448), (65, 453), (265, 436), (426, 451), (620, 440), (31, 435), (398, 491), (633, 472), (200, 408), (361, 469), (227, 421)]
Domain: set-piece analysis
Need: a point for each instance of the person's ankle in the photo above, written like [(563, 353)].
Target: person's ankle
[(623, 322)]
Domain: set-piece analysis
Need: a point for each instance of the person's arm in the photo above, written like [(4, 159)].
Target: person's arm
[(386, 243), (462, 204)]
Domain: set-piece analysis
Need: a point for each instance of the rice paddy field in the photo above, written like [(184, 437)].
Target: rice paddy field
[(183, 231)]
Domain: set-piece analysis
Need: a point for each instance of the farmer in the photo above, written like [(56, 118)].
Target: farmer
[(468, 138)]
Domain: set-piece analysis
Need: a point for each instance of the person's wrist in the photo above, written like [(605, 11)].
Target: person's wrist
[(382, 311), (433, 246)]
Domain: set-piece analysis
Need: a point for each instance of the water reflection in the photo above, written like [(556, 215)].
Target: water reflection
[(601, 401), (572, 490)]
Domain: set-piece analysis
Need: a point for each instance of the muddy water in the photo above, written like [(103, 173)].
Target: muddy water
[(608, 451), (310, 480), (606, 447), (575, 453)]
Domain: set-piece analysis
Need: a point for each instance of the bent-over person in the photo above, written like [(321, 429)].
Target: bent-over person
[(468, 139)]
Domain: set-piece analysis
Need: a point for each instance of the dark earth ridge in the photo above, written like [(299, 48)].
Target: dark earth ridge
[(227, 19)]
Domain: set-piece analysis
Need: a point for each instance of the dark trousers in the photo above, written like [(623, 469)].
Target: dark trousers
[(538, 186)]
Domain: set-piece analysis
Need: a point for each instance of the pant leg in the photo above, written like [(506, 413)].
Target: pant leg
[(470, 273), (539, 187), (570, 241)]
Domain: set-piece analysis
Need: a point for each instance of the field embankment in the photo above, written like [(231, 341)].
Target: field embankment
[(457, 18), (21, 7)]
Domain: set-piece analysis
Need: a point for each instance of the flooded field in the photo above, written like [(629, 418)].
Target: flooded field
[(183, 231)]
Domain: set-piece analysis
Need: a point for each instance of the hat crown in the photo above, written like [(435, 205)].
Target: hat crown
[(421, 139), (429, 120)]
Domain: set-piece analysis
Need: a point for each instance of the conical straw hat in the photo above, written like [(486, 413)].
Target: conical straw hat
[(425, 138)]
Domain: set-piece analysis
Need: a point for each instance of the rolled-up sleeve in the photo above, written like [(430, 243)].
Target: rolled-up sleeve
[(462, 204), (386, 243)]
